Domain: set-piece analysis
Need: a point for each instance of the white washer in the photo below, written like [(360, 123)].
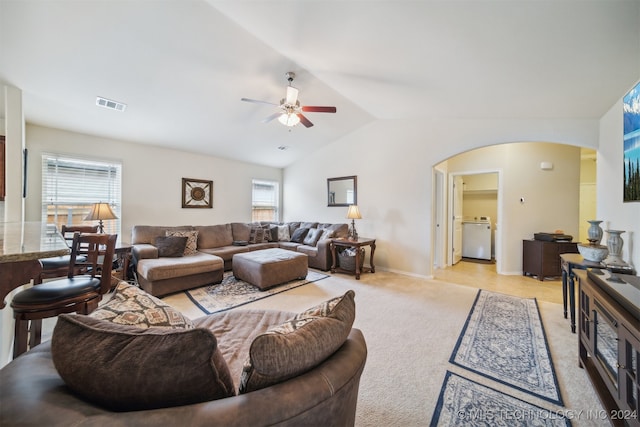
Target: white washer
[(476, 238)]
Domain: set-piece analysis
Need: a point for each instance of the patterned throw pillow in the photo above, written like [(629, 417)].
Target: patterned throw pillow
[(257, 235), (312, 237), (326, 234), (283, 233), (192, 240), (299, 344), (134, 307)]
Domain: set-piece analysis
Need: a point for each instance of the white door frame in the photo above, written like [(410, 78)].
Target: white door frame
[(498, 223)]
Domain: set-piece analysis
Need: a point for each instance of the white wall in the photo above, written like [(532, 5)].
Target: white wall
[(616, 214), (151, 179), (393, 160)]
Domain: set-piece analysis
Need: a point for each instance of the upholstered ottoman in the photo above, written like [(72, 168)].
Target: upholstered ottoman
[(269, 267)]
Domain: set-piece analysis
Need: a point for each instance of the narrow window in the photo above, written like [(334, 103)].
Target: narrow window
[(264, 200)]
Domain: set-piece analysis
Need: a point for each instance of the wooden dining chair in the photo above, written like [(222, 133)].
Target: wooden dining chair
[(59, 266), (80, 293)]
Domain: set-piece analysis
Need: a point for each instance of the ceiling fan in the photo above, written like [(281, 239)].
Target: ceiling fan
[(290, 110)]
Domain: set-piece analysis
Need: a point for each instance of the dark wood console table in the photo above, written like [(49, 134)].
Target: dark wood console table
[(542, 259), (357, 244), (609, 341)]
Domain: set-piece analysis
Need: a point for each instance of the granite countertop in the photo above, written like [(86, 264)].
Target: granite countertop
[(25, 241)]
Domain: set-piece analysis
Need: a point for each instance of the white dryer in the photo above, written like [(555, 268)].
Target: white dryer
[(476, 238)]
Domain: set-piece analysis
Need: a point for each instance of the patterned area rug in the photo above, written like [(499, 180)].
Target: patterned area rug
[(504, 340), (463, 402), (233, 292)]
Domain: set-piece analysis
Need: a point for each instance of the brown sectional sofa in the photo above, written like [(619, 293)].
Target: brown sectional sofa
[(216, 245)]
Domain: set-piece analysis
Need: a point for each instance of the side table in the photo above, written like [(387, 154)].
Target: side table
[(357, 244), (123, 256)]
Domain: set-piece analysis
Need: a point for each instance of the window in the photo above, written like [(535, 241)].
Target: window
[(70, 185), (264, 201)]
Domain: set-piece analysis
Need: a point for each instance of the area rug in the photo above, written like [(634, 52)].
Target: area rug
[(464, 402), (504, 339), (232, 292)]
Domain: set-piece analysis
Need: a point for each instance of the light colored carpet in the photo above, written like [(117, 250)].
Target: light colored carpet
[(411, 326)]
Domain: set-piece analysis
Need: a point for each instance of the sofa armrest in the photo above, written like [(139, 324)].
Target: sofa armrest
[(144, 251)]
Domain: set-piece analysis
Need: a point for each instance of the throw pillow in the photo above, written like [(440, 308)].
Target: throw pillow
[(326, 235), (256, 235), (299, 235), (272, 234), (312, 237), (299, 344), (171, 246), (283, 233), (132, 306), (125, 368), (192, 240)]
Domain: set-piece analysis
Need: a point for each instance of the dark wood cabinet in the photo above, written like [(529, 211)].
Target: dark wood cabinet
[(542, 259), (609, 348)]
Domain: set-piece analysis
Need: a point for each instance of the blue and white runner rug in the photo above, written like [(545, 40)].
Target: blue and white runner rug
[(464, 402), (503, 339)]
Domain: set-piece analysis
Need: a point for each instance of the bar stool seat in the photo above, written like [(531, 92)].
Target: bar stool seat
[(78, 293)]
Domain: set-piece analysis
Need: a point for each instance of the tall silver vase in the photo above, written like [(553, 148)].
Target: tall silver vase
[(615, 243), (594, 233)]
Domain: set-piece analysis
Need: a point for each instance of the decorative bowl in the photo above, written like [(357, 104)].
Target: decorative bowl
[(593, 253)]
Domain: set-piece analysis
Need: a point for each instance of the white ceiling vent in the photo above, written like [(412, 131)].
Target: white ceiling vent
[(107, 103)]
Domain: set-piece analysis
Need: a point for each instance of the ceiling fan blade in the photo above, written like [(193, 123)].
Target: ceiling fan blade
[(271, 117), (319, 109), (292, 95), (305, 121), (255, 101)]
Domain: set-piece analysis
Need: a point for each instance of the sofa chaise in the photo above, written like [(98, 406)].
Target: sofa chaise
[(153, 367), (208, 250)]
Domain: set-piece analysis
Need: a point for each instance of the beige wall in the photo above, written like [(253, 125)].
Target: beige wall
[(551, 197), (152, 179), (393, 160)]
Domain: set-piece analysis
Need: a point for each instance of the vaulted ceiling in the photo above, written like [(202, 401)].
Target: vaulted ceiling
[(181, 66)]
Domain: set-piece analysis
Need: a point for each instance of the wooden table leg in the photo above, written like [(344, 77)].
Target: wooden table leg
[(373, 249)]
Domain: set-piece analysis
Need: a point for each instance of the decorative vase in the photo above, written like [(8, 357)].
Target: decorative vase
[(594, 233), (615, 243)]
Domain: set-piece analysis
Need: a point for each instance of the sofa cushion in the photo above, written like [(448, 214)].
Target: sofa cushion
[(272, 233), (171, 246), (168, 268), (312, 237), (214, 236), (192, 240), (132, 306), (299, 344), (299, 235), (125, 368), (240, 231), (283, 233), (308, 225)]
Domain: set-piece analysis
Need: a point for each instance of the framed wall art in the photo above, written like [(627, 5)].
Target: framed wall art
[(631, 147), (197, 193)]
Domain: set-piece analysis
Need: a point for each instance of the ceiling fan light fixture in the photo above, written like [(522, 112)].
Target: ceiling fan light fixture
[(289, 119)]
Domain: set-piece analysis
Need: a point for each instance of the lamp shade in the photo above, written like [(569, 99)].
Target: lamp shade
[(354, 212), (100, 211)]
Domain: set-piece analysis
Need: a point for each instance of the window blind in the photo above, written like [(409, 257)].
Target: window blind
[(70, 185), (265, 200)]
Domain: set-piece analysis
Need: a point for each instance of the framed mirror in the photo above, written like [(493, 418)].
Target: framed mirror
[(342, 191)]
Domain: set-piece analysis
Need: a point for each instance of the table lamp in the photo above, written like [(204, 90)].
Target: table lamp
[(100, 211), (353, 213)]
